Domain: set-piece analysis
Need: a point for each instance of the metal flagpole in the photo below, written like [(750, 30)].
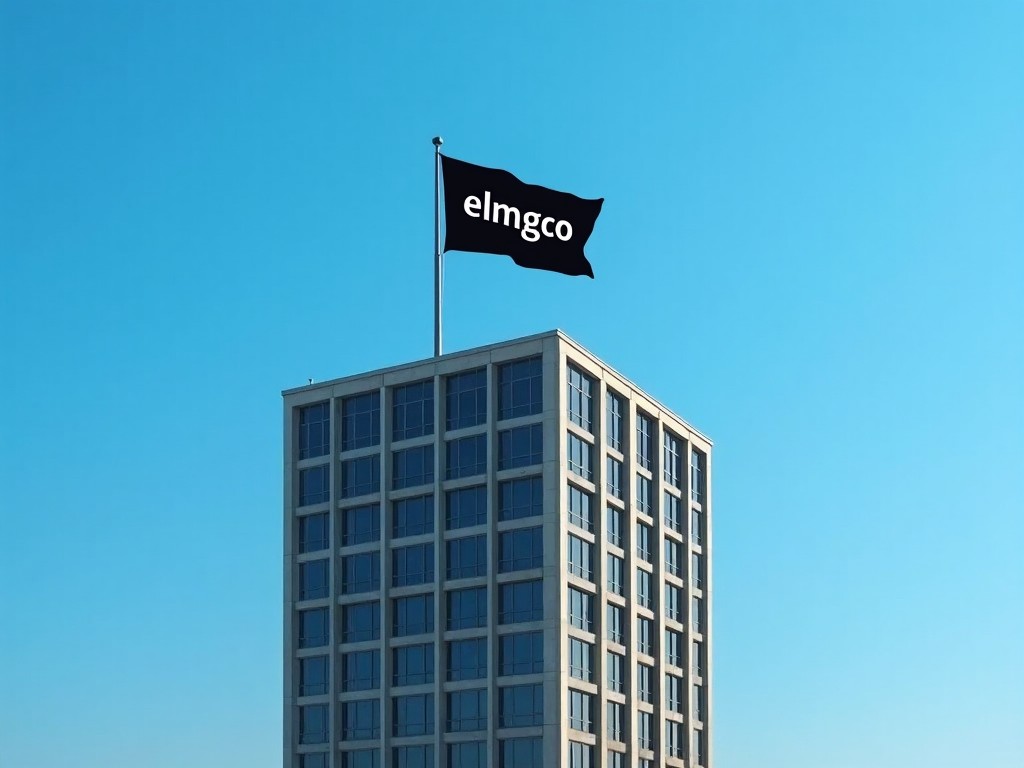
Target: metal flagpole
[(438, 264)]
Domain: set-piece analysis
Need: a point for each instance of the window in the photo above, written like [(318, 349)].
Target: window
[(696, 570), (314, 533), (643, 495), (412, 565), (645, 730), (360, 671), (313, 580), (675, 607), (581, 659), (466, 456), (467, 608), (413, 715), (579, 394), (521, 549), (520, 706), (521, 498), (644, 430), (581, 609), (672, 508), (616, 578), (645, 762), (674, 649), (466, 399), (314, 485), (521, 753), (313, 676), (643, 543), (467, 754), (698, 746), (645, 635), (314, 430), (313, 724), (412, 410), (466, 507), (579, 509), (616, 759), (360, 622), (520, 447), (413, 517), (613, 476), (520, 601), (697, 464), (672, 458), (615, 408), (698, 702), (580, 717), (521, 653), (615, 720), (696, 615), (356, 758), (360, 476), (360, 524), (360, 421), (315, 760), (360, 573), (580, 555), (467, 557), (616, 664), (675, 696), (580, 755), (673, 557), (613, 526), (674, 737), (413, 664), (360, 720), (414, 615), (615, 621), (645, 683), (519, 388), (414, 756), (696, 526), (413, 466), (467, 659), (698, 658), (580, 456), (467, 710)]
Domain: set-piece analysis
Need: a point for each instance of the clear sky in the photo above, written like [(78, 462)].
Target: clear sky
[(816, 208)]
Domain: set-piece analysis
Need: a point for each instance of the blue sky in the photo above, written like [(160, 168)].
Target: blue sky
[(817, 208)]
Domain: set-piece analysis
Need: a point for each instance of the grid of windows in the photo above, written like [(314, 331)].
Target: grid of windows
[(579, 508), (412, 565), (580, 456), (413, 517), (520, 498), (314, 430), (581, 659), (521, 653), (644, 431), (467, 710), (580, 554), (466, 399), (413, 664), (360, 573), (520, 388), (314, 485), (467, 557), (360, 421), (466, 507), (467, 659), (466, 457), (360, 476), (412, 410), (579, 392), (521, 549), (520, 601), (520, 447), (413, 615), (467, 608), (412, 466), (360, 525), (580, 717), (360, 622), (314, 533)]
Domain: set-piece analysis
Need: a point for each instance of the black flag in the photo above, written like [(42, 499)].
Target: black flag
[(491, 211)]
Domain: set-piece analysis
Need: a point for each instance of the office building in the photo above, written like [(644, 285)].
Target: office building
[(497, 557)]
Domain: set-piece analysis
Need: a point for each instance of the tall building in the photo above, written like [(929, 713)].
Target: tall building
[(497, 557)]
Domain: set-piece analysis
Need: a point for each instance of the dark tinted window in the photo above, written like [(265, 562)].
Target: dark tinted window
[(467, 659), (313, 676), (360, 476), (521, 498), (521, 653), (313, 628), (521, 753), (413, 715), (414, 664), (360, 421), (314, 533), (360, 670), (521, 706), (360, 720), (467, 557), (520, 447), (413, 466), (579, 509), (579, 389), (413, 517), (580, 456), (521, 601), (467, 710), (467, 608), (413, 615), (466, 507), (314, 430), (466, 456), (613, 429), (521, 549), (360, 622), (360, 524), (360, 573), (413, 410), (313, 724), (581, 609), (315, 485), (466, 399), (520, 388), (412, 565), (313, 580)]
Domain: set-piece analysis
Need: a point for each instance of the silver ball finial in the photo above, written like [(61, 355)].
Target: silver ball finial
[(438, 141)]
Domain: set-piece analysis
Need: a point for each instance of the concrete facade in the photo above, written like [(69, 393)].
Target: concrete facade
[(668, 560)]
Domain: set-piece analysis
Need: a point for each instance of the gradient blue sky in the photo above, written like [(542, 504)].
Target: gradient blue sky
[(817, 207)]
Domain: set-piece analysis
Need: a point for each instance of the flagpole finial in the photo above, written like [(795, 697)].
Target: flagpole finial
[(438, 141)]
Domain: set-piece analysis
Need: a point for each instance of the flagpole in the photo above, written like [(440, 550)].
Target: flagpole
[(438, 264)]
